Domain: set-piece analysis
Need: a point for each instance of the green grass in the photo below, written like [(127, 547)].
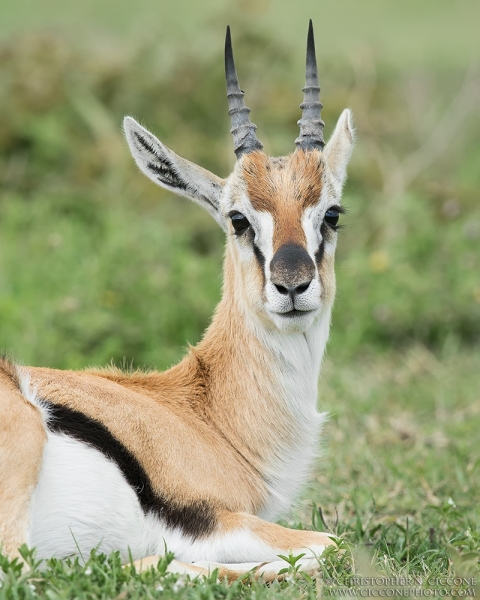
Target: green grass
[(91, 255), (398, 481)]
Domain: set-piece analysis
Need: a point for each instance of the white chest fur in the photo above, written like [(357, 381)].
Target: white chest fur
[(298, 360)]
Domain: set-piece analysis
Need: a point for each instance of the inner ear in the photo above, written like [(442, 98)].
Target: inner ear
[(165, 168), (338, 151), (159, 167)]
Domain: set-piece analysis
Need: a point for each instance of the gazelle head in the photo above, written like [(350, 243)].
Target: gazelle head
[(280, 214)]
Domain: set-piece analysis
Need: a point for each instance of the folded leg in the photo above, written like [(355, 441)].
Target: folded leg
[(243, 543)]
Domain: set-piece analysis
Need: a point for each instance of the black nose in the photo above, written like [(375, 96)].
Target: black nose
[(291, 269), (292, 290)]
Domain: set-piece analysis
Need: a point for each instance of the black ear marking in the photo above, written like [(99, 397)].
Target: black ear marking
[(145, 145), (165, 168), (164, 172), (161, 167)]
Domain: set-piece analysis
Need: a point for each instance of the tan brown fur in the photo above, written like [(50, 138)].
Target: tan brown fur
[(274, 535), (243, 399), (155, 430), (280, 538), (19, 462), (153, 414), (285, 189)]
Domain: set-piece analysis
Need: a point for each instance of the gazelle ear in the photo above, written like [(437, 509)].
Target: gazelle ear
[(169, 170), (339, 148)]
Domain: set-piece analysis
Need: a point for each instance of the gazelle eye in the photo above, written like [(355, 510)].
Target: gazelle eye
[(331, 217), (240, 222)]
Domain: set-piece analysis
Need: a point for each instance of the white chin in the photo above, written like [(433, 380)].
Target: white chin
[(293, 323)]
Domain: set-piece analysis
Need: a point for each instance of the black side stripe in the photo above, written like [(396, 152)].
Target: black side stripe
[(196, 519), (259, 256)]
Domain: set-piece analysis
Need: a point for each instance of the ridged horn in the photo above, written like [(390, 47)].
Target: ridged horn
[(243, 131), (311, 124)]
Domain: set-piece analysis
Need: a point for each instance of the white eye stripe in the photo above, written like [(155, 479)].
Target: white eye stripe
[(262, 225), (312, 221), (264, 238), (264, 228)]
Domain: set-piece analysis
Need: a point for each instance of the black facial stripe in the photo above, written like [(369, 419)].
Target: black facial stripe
[(327, 234), (319, 252), (250, 236), (259, 256), (196, 519), (261, 261)]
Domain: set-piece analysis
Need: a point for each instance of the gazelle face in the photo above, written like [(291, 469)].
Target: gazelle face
[(280, 214)]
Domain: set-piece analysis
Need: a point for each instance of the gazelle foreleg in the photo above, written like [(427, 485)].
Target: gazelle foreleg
[(242, 542)]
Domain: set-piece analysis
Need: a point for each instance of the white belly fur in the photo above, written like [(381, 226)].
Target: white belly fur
[(82, 501)]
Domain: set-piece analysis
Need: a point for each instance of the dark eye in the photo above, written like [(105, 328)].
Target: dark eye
[(240, 222), (331, 217)]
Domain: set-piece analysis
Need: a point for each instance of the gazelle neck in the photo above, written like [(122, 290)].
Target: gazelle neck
[(263, 390)]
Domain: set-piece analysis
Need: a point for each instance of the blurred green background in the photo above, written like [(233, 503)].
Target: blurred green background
[(96, 263), (99, 264)]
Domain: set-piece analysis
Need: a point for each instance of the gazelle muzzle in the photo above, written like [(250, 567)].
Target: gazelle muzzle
[(292, 270)]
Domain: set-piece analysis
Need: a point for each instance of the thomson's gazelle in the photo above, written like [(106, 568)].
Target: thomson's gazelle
[(202, 457)]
